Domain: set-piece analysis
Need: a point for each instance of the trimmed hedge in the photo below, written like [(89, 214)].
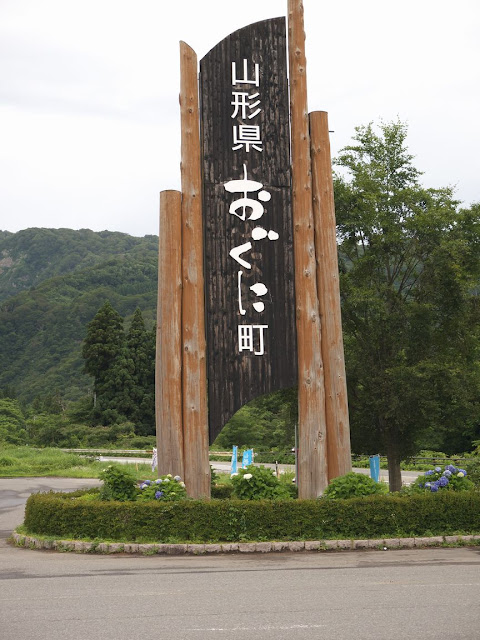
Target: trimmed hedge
[(64, 515)]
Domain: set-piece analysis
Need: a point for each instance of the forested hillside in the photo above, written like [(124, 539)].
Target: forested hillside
[(31, 256), (52, 282)]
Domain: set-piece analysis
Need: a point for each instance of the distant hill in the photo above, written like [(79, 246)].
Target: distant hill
[(52, 282)]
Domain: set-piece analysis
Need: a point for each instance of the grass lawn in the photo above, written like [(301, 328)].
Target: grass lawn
[(17, 462)]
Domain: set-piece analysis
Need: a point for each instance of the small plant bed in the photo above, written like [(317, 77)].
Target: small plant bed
[(255, 506), (82, 515)]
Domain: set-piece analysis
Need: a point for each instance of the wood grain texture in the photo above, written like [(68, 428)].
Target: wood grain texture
[(312, 445), (236, 377), (338, 430), (195, 421), (168, 366)]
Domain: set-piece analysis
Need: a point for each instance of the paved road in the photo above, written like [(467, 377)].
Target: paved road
[(371, 595)]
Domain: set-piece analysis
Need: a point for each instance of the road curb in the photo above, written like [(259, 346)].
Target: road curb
[(109, 548)]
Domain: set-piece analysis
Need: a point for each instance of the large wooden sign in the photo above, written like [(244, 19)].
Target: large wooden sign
[(247, 213), (249, 298)]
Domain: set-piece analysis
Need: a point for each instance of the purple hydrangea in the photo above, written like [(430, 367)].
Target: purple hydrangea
[(158, 494), (443, 481), (447, 473), (463, 471), (429, 473), (433, 487), (148, 482), (438, 469), (451, 468), (159, 481)]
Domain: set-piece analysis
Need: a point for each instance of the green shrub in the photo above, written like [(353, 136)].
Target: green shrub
[(7, 461), (472, 467), (118, 484), (165, 488), (258, 483), (353, 485), (222, 491), (287, 480), (66, 515)]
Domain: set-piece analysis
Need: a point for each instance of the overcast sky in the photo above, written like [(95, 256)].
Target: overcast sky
[(89, 116)]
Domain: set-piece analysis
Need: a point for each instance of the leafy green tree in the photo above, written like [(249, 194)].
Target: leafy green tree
[(409, 278), (266, 423), (12, 422), (104, 352), (141, 362)]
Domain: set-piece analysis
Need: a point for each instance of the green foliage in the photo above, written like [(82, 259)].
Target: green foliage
[(222, 491), (141, 363), (352, 485), (265, 422), (167, 488), (287, 479), (64, 515), (118, 484), (410, 267), (12, 422), (258, 483), (472, 467)]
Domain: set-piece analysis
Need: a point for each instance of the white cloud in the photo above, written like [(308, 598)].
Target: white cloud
[(89, 119)]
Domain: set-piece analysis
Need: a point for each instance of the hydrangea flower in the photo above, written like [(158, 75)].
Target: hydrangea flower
[(443, 481), (429, 472), (447, 473), (159, 481), (451, 468), (143, 485), (148, 482), (438, 469), (158, 494), (460, 474), (177, 478), (182, 484), (434, 488), (463, 471), (428, 485), (166, 480), (247, 476)]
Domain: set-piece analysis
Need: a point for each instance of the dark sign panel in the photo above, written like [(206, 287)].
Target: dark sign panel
[(249, 277)]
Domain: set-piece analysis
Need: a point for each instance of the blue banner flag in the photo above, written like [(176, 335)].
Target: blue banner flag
[(247, 458), (234, 459), (375, 467)]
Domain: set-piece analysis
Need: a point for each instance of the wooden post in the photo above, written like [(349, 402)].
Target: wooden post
[(168, 366), (312, 474), (338, 431), (195, 421)]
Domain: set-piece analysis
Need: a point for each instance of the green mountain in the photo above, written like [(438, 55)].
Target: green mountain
[(52, 282)]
